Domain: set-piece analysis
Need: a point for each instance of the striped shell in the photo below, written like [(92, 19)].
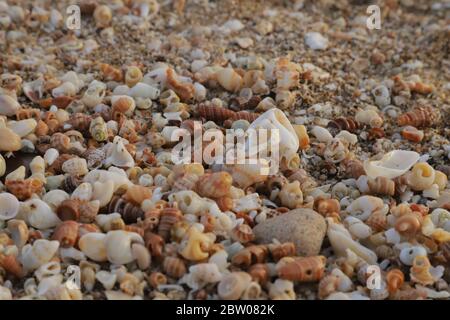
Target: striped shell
[(281, 250), (302, 269), (169, 216), (381, 185), (174, 267), (129, 212), (420, 117)]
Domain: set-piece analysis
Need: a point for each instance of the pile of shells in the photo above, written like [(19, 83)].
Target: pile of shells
[(94, 206)]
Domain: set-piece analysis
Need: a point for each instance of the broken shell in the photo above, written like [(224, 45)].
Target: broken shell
[(103, 192), (38, 214), (9, 206), (119, 155), (422, 176), (364, 206), (24, 189), (392, 165), (233, 285), (19, 232), (291, 195), (40, 252), (242, 233), (423, 272)]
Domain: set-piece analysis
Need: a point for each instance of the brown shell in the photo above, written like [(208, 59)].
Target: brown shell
[(214, 185), (60, 142), (80, 121), (111, 73), (129, 212), (136, 194), (303, 269), (70, 183), (250, 255), (342, 123), (354, 168), (225, 203), (381, 186), (69, 210), (409, 224), (278, 251), (174, 267), (214, 113), (325, 206), (29, 113), (63, 101), (134, 228), (151, 219), (34, 235), (56, 167), (11, 265), (41, 128), (24, 189), (395, 279), (242, 233), (420, 117), (66, 233), (328, 285), (154, 243), (169, 216), (184, 90), (156, 278), (88, 212), (245, 115), (412, 134), (377, 221), (401, 183), (260, 272)]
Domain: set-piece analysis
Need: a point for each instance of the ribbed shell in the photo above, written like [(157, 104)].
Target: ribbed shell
[(169, 216), (303, 269), (420, 117), (66, 233), (129, 212), (174, 267), (342, 123)]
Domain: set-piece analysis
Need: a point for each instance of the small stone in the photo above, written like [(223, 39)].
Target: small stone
[(377, 58), (316, 41), (304, 227)]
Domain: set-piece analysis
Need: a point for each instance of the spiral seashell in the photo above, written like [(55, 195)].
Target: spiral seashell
[(119, 156), (242, 233), (195, 245), (60, 142), (168, 218), (233, 285), (382, 186), (420, 117), (174, 267), (118, 246), (18, 230), (9, 206), (66, 234), (341, 123), (395, 279), (259, 272), (422, 176), (109, 72), (377, 221), (133, 75), (250, 255), (79, 121), (88, 211), (156, 279), (71, 182), (98, 129), (213, 113), (184, 90), (281, 250), (24, 189), (214, 185), (423, 272), (229, 79), (409, 224), (11, 265), (129, 212), (326, 206), (328, 285), (154, 243), (302, 269), (137, 194)]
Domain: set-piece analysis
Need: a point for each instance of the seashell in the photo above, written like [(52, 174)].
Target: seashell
[(9, 140), (408, 254), (119, 155), (24, 189), (335, 151), (123, 104), (98, 129), (69, 210), (392, 165), (88, 211), (214, 185), (110, 73), (381, 185), (281, 250), (420, 117), (259, 272), (409, 224), (195, 245), (369, 117), (395, 279), (364, 206), (93, 246), (328, 285), (185, 90), (37, 254), (291, 195), (423, 272), (38, 214), (214, 113), (154, 243), (118, 246), (203, 274), (302, 269), (66, 233), (82, 192), (22, 127), (349, 124), (341, 240), (229, 79), (9, 206), (377, 220), (168, 218), (282, 290), (107, 279), (422, 176), (18, 230), (357, 228), (133, 75), (322, 134), (11, 265), (233, 285), (245, 175), (60, 142), (129, 212), (102, 16), (412, 134), (94, 94), (137, 194), (71, 183), (174, 267), (8, 105), (242, 233), (141, 255), (250, 255), (188, 201)]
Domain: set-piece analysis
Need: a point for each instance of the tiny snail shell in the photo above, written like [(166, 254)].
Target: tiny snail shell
[(282, 290), (156, 278), (412, 134), (118, 246), (394, 279), (174, 267), (281, 250), (242, 233), (422, 176), (66, 233), (24, 189), (93, 246), (133, 75), (408, 254), (11, 265), (409, 224), (302, 269), (233, 285), (423, 272), (102, 16), (19, 232), (328, 285), (259, 272), (40, 252)]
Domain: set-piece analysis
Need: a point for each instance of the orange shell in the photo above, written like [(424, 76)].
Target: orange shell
[(412, 134), (325, 206), (420, 117), (156, 278), (242, 233), (408, 224), (66, 233), (260, 272), (69, 210), (213, 113), (420, 271), (137, 194), (11, 265), (154, 243), (169, 216), (395, 279), (24, 189), (214, 185), (250, 255), (184, 90), (303, 269), (60, 141), (382, 186), (225, 203), (282, 250), (111, 73)]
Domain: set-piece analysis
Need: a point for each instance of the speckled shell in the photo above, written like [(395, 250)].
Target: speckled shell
[(302, 269), (24, 189)]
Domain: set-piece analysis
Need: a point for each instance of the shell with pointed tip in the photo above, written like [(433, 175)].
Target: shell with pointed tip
[(392, 165), (9, 206), (40, 252), (9, 140), (19, 232)]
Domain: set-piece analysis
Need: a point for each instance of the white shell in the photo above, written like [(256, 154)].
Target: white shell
[(93, 246), (345, 283), (48, 269), (357, 228), (202, 274), (5, 293), (40, 252), (69, 254), (248, 203), (49, 283), (38, 214), (119, 155), (322, 134), (392, 165), (54, 198), (22, 127), (82, 192), (143, 90), (51, 155), (118, 246), (364, 206), (103, 192), (75, 166), (107, 279), (8, 105), (102, 176), (408, 254), (9, 206)]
